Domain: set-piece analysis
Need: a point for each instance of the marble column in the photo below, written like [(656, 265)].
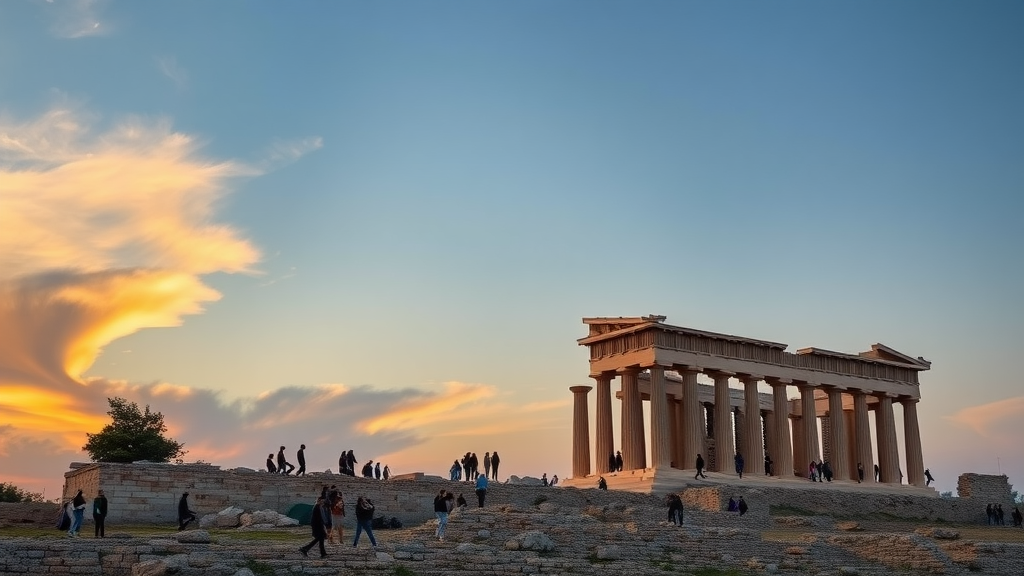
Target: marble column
[(912, 442), (634, 444), (661, 430), (799, 450), (675, 442), (768, 418), (753, 441), (862, 426), (851, 443), (724, 450), (580, 432), (809, 418), (888, 451), (782, 450), (693, 430), (840, 457), (605, 436)]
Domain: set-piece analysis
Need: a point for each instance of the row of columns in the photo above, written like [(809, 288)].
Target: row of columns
[(847, 449)]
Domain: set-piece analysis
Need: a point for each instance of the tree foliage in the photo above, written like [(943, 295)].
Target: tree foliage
[(133, 435), (11, 493)]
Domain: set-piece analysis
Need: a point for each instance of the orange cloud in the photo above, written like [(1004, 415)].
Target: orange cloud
[(985, 419), (427, 410)]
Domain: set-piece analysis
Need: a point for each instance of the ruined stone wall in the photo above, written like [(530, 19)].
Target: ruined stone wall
[(985, 488)]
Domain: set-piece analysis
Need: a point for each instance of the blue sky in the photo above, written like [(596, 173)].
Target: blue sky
[(424, 199)]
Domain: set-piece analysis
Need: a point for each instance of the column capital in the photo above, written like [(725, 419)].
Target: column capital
[(686, 368), (748, 377), (606, 375), (649, 365), (908, 400), (719, 373), (833, 388), (773, 381), (881, 395), (580, 389), (803, 384), (628, 369)]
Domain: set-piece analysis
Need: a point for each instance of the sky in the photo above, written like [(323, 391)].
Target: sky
[(377, 225)]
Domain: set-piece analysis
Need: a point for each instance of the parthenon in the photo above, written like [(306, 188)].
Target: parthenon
[(660, 363)]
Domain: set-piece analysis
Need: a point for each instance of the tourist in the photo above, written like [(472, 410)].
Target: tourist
[(999, 515), (767, 464), (487, 464), (928, 477), (270, 464), (554, 480), (376, 471), (742, 506), (611, 462), (300, 457), (990, 513), (67, 518), (343, 463), (185, 515), (544, 479), (467, 468), (738, 459), (860, 472), (494, 465), (877, 475), (481, 490), (474, 465), (461, 501), (618, 461), (350, 462), (733, 506), (283, 466), (320, 524), (602, 484), (387, 472), (364, 521), (826, 470), (675, 509), (337, 507), (77, 514), (700, 468), (368, 469), (812, 472), (99, 513), (454, 471), (819, 469), (441, 511), (1018, 520)]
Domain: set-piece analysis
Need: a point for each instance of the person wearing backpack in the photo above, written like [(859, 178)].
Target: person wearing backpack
[(364, 521)]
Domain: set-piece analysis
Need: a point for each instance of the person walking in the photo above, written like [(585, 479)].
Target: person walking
[(700, 468), (738, 459), (300, 457), (185, 515), (283, 466), (441, 511), (860, 472), (481, 489), (77, 514), (364, 521), (495, 460), (928, 477), (487, 464), (99, 514), (320, 524)]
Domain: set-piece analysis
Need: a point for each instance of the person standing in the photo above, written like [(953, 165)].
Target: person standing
[(283, 466), (928, 477), (77, 514), (618, 461), (738, 459), (185, 515), (481, 489), (700, 468), (860, 472), (376, 470), (611, 462), (441, 511), (495, 460), (99, 513), (320, 523), (387, 472), (300, 456), (368, 469), (876, 472), (337, 505), (675, 509), (487, 464), (364, 521), (350, 460)]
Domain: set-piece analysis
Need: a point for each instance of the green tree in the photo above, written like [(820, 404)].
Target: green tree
[(11, 493), (133, 435)]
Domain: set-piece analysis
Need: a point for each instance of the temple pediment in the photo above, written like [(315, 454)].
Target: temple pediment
[(883, 352)]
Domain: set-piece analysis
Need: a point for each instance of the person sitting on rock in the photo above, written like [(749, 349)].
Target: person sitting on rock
[(733, 507), (602, 484), (742, 506)]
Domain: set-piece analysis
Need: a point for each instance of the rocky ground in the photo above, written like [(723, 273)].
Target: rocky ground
[(546, 538)]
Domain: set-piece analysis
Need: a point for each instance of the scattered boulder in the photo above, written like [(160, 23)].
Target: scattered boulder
[(533, 540), (848, 526), (194, 537), (608, 552)]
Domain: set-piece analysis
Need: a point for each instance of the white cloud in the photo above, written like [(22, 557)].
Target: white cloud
[(77, 18), (170, 68)]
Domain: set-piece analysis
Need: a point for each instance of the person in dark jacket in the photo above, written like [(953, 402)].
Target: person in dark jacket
[(675, 509), (364, 521), (368, 469), (739, 464), (283, 465), (742, 506), (611, 462), (495, 460), (602, 484), (270, 464), (300, 456), (700, 468), (184, 514), (99, 513), (376, 470), (320, 523), (77, 514), (441, 511), (618, 461)]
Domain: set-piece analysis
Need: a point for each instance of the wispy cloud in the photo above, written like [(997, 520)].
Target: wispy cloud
[(169, 67), (992, 420), (283, 152), (77, 18)]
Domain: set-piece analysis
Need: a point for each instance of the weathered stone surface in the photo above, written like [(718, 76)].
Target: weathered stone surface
[(194, 537), (608, 552), (848, 526)]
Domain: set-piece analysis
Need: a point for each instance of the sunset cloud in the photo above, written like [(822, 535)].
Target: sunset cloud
[(993, 420)]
